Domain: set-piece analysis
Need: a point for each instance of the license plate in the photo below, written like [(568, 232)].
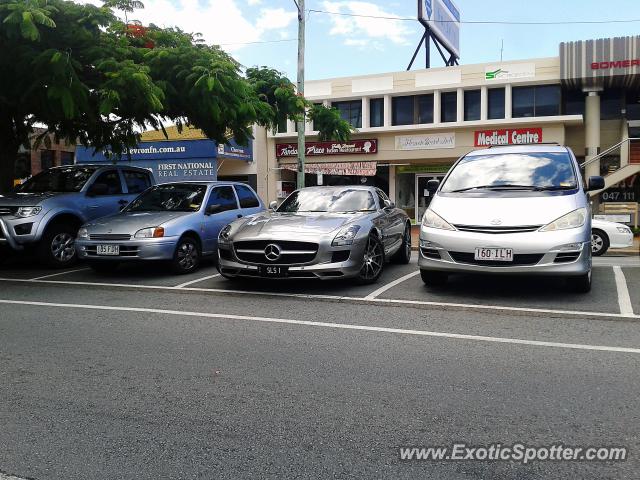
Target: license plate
[(108, 250), (273, 271), (494, 254)]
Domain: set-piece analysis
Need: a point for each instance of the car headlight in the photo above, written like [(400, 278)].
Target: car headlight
[(433, 220), (623, 229), (151, 232), (83, 233), (24, 212), (345, 236), (573, 219), (224, 237)]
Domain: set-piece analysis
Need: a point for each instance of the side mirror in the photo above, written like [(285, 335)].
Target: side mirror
[(389, 204), (213, 209), (595, 183), (273, 205), (432, 185), (98, 189)]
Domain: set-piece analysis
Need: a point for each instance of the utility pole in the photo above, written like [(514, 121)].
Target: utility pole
[(302, 121)]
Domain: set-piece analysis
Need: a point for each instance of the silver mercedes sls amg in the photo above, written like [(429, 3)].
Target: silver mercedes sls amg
[(318, 232)]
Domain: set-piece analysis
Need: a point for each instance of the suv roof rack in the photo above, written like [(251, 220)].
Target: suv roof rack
[(526, 144)]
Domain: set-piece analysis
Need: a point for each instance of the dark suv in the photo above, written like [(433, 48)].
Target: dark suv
[(46, 211)]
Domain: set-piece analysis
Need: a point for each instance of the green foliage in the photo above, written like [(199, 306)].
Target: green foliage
[(79, 70), (329, 124)]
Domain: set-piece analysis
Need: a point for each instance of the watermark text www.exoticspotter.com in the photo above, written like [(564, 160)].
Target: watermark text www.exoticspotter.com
[(517, 452)]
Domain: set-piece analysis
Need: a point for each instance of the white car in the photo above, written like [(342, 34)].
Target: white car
[(605, 235)]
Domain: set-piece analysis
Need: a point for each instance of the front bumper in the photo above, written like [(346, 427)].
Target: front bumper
[(17, 232), (535, 253), (621, 240), (322, 267), (130, 250)]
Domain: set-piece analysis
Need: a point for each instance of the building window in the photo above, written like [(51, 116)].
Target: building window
[(425, 108), (537, 101), (315, 129), (448, 106), (472, 105), (66, 158), (611, 104), (350, 111), (495, 97), (376, 112), (47, 159), (402, 110), (282, 125), (573, 102)]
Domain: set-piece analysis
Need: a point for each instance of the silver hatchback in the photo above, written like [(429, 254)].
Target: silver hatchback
[(518, 210)]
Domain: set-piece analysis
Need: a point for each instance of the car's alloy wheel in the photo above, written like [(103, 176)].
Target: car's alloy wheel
[(63, 247), (57, 248), (187, 256), (599, 243), (373, 260), (403, 255)]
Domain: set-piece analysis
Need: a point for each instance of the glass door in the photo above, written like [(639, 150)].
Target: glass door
[(423, 197)]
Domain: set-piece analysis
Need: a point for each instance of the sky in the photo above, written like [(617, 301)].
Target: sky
[(344, 46)]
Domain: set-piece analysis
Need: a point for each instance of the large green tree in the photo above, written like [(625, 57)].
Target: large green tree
[(87, 76)]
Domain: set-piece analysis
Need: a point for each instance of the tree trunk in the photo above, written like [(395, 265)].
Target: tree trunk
[(8, 155)]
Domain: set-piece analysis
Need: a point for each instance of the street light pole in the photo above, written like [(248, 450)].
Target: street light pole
[(301, 121)]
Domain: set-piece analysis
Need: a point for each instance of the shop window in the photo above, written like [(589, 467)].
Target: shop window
[(402, 110), (611, 104), (66, 158), (448, 106), (425, 108), (472, 105), (350, 111), (495, 98), (376, 112), (536, 101), (47, 159), (573, 102)]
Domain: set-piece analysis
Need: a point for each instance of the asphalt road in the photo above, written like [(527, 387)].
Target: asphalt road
[(106, 378)]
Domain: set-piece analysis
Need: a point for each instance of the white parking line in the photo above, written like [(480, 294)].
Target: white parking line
[(59, 273), (390, 285), (341, 298), (186, 284), (624, 300), (344, 326)]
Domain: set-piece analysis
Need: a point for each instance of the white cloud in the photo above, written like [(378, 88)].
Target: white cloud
[(357, 29), (219, 21), (254, 2)]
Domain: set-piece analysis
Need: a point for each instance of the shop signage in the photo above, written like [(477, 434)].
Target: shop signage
[(443, 18), (354, 147), (507, 136), (628, 63), (510, 72), (362, 169), (422, 168), (235, 151), (426, 142)]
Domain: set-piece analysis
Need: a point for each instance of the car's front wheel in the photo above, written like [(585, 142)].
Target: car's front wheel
[(373, 261), (57, 248), (187, 256), (581, 283), (433, 279), (599, 243)]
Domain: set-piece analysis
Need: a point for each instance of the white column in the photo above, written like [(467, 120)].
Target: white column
[(436, 106), (365, 113), (508, 102), (484, 103), (392, 183), (387, 110), (592, 131), (291, 126), (460, 105)]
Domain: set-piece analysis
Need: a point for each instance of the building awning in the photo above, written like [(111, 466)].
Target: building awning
[(362, 169)]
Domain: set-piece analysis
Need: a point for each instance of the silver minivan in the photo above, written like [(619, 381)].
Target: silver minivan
[(510, 210)]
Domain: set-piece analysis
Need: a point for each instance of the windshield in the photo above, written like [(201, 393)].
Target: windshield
[(62, 180), (336, 201), (513, 171), (169, 198)]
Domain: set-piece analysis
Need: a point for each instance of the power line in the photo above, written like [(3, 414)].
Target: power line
[(259, 41), (481, 22)]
